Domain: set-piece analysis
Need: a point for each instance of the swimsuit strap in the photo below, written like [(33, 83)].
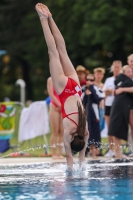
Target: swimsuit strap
[(72, 119), (71, 114)]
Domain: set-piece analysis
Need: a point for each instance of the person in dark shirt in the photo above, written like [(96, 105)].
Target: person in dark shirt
[(93, 96), (120, 111), (130, 63)]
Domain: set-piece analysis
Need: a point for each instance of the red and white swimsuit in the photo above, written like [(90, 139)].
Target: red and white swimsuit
[(71, 89)]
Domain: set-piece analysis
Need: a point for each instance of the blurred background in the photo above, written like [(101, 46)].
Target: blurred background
[(96, 33)]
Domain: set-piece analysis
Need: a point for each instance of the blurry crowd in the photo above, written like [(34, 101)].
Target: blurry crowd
[(107, 103)]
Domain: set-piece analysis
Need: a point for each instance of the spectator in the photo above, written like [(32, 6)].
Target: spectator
[(108, 88), (99, 74), (82, 73), (55, 121), (119, 119), (130, 63), (93, 95)]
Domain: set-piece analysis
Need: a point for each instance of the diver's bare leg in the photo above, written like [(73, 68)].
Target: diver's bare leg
[(67, 65), (57, 73)]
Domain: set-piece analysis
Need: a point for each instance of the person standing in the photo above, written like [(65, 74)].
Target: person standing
[(130, 63), (119, 118), (109, 88), (99, 75), (82, 73), (55, 117), (93, 95)]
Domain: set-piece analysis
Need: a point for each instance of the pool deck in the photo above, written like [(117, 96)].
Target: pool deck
[(8, 161)]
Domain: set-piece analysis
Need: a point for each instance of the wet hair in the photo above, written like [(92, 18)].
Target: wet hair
[(78, 143)]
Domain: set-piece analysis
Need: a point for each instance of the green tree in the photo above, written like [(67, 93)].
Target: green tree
[(96, 33)]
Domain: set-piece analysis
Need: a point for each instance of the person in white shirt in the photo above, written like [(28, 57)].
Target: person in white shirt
[(108, 88)]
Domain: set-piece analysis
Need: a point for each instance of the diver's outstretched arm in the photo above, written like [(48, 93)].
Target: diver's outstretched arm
[(69, 156), (82, 153)]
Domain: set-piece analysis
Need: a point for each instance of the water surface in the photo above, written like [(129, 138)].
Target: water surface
[(99, 180)]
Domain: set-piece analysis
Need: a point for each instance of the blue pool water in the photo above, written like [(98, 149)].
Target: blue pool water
[(100, 180)]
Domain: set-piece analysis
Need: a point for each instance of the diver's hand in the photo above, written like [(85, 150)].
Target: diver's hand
[(69, 170)]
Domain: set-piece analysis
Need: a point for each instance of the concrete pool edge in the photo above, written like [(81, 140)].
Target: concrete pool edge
[(17, 161), (40, 159)]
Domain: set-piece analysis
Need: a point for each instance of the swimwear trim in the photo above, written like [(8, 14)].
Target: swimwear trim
[(70, 118)]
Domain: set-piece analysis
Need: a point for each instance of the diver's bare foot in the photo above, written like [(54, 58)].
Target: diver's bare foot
[(61, 157), (55, 157), (120, 156), (94, 157), (41, 10), (48, 11), (130, 155)]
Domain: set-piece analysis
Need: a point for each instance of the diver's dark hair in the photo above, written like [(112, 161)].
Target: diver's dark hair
[(78, 143)]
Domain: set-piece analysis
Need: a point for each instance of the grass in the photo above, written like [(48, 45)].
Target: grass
[(32, 147)]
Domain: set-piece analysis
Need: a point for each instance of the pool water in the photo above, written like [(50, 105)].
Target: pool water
[(99, 180)]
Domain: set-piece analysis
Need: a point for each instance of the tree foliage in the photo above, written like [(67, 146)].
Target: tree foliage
[(96, 33)]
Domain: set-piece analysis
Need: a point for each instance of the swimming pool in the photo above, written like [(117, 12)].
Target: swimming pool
[(100, 180)]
